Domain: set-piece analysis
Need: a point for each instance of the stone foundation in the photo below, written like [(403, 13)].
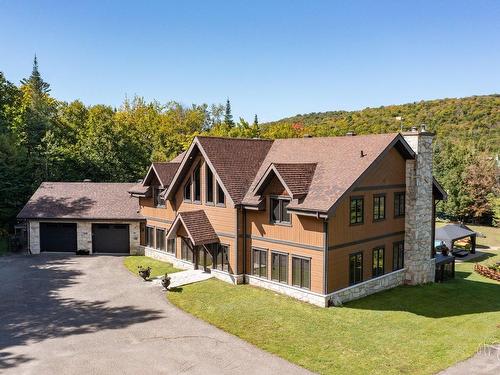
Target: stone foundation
[(300, 294), (372, 286)]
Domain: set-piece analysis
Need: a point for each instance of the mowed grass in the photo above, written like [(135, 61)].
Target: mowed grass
[(158, 268), (410, 330)]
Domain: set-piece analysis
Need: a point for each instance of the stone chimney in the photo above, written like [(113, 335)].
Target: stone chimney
[(418, 209)]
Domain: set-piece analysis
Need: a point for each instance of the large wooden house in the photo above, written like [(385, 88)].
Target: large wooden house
[(325, 220)]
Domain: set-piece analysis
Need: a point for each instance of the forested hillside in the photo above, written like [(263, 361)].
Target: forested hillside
[(466, 146), (44, 139)]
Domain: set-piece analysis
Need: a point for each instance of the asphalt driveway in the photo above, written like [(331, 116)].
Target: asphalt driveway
[(89, 315)]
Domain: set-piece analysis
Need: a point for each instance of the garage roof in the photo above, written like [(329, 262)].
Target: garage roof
[(82, 200)]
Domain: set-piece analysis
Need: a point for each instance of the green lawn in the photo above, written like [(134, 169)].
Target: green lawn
[(158, 268), (413, 330)]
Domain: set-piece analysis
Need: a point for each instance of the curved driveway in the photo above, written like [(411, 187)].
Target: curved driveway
[(89, 315)]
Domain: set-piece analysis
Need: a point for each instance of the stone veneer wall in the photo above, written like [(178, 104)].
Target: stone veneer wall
[(378, 284), (300, 294), (84, 235), (418, 216)]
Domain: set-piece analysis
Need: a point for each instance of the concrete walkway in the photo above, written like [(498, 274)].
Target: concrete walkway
[(181, 278), (485, 362), (89, 315)]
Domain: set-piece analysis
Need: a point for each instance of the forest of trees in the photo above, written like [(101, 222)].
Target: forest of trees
[(45, 139)]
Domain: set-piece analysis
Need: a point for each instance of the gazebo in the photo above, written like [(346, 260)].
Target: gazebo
[(454, 232)]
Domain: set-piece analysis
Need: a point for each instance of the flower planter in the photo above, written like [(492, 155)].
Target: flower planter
[(487, 272)]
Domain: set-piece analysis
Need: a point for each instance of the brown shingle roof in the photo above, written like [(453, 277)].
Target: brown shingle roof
[(295, 176), (338, 165), (197, 225), (165, 171), (82, 200), (236, 161)]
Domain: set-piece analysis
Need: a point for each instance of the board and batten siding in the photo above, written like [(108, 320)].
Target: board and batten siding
[(388, 177)]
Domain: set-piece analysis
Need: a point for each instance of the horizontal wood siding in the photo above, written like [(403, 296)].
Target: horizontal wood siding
[(387, 178), (305, 231), (338, 261), (315, 256)]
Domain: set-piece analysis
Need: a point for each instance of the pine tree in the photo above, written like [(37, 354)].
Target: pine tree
[(35, 81), (228, 117), (255, 121)]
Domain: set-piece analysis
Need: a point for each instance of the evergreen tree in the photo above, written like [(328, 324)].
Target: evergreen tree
[(228, 117), (35, 81), (255, 121)]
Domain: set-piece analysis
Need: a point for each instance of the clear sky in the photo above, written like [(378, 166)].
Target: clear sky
[(273, 58)]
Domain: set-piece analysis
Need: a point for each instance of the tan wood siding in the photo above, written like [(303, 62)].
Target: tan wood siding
[(338, 261), (315, 256), (388, 177)]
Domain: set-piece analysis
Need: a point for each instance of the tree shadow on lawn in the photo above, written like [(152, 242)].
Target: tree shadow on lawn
[(31, 309), (460, 296)]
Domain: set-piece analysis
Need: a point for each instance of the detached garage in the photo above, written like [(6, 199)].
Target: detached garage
[(87, 216)]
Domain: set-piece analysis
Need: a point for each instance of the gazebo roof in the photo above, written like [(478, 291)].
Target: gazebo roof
[(452, 232)]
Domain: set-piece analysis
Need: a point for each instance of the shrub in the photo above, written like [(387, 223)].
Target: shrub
[(165, 281), (144, 272)]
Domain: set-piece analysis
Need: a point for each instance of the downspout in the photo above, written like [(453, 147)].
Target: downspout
[(244, 243), (236, 242), (325, 256)]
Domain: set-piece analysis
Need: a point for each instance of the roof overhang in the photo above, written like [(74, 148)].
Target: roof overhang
[(149, 175), (191, 231), (438, 190), (266, 178)]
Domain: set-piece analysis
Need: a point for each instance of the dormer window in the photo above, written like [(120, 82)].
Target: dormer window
[(279, 212), (187, 190)]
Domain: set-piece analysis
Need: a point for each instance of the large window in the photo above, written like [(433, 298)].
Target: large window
[(356, 210), (379, 207), (150, 240), (221, 197), (259, 267), (399, 204), (279, 212), (186, 251), (209, 185), (160, 239), (221, 257), (197, 184), (187, 190), (355, 268), (398, 255), (279, 267), (158, 200), (171, 246), (378, 262), (301, 272)]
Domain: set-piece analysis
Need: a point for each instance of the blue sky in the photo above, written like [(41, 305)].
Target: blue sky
[(273, 58)]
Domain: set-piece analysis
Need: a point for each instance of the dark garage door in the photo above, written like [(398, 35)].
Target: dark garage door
[(58, 237), (110, 238)]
